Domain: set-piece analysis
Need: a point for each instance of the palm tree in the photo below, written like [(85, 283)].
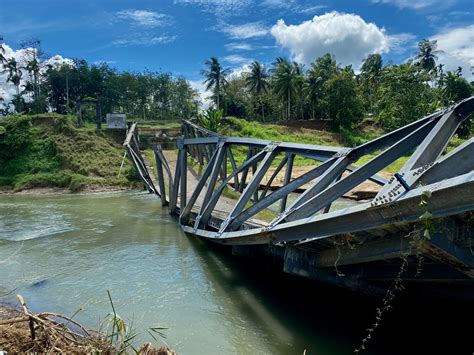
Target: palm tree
[(285, 81), (426, 55), (299, 85), (371, 72), (14, 73), (215, 78), (257, 82), (313, 89), (2, 54)]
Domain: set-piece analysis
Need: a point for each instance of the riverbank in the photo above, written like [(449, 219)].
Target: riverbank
[(48, 151), (45, 191)]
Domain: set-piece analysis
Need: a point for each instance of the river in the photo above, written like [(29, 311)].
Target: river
[(61, 252)]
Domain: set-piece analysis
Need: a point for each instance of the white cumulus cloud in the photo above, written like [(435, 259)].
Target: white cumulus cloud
[(205, 97), (457, 45), (7, 89), (347, 36)]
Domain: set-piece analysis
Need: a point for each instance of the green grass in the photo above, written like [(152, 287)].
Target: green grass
[(367, 131), (241, 128), (48, 151)]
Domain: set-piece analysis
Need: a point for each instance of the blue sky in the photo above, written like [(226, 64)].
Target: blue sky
[(179, 35)]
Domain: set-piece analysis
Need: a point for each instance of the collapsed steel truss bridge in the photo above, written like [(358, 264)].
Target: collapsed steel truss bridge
[(305, 227)]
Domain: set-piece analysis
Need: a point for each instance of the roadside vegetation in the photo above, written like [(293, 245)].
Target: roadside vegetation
[(383, 96), (49, 151)]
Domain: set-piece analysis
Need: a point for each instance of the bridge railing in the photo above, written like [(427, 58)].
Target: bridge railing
[(132, 146)]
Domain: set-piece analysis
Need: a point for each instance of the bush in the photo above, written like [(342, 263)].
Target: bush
[(211, 120), (17, 134)]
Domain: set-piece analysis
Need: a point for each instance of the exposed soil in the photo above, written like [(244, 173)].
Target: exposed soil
[(62, 191)]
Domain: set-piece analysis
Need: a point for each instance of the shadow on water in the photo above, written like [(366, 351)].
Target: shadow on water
[(330, 320), (60, 252)]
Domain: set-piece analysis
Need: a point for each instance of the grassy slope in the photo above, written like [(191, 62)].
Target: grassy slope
[(48, 151), (241, 128)]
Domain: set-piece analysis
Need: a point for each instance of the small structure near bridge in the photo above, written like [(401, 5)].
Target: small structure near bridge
[(116, 121)]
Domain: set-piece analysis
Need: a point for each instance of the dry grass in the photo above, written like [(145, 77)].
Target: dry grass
[(27, 332)]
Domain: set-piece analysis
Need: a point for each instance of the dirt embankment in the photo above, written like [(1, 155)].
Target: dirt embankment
[(62, 191)]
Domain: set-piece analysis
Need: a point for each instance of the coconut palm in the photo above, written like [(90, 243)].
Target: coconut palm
[(2, 55), (370, 75), (215, 78), (12, 67), (313, 90), (257, 82), (285, 81), (426, 55)]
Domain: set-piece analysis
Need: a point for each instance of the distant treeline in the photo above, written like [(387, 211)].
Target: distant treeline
[(41, 86), (393, 95)]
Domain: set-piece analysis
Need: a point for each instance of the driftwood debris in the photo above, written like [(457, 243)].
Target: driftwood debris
[(27, 332)]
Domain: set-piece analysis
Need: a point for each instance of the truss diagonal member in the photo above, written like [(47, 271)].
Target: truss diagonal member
[(274, 175), (435, 142), (376, 178), (160, 162), (429, 150), (216, 170), (197, 191), (206, 211), (391, 138), (457, 162), (346, 184), (270, 153), (183, 167), (243, 180), (326, 179), (177, 176), (234, 167), (287, 179), (279, 194)]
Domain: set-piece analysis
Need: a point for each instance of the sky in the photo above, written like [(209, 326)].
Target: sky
[(178, 36)]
